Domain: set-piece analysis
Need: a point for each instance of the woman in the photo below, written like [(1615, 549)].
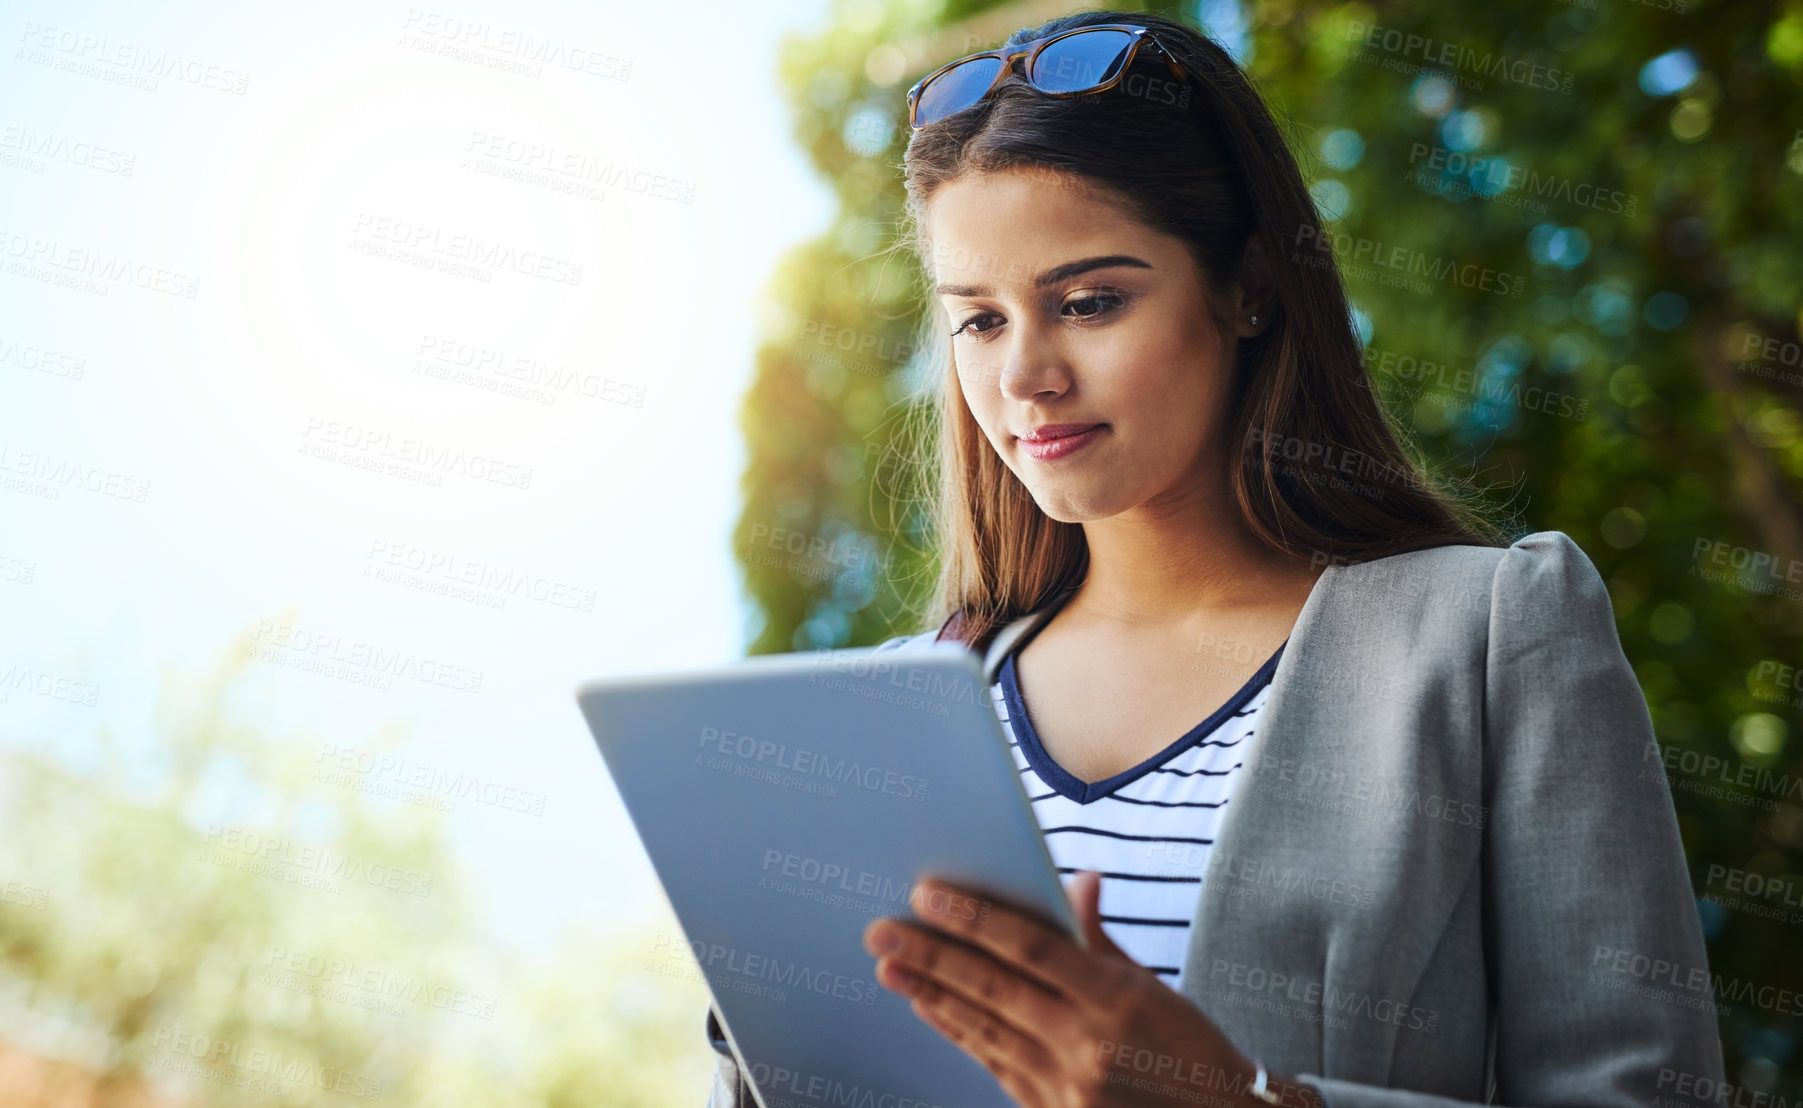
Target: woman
[(1414, 854)]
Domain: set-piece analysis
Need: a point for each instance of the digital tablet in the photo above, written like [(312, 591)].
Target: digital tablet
[(788, 800)]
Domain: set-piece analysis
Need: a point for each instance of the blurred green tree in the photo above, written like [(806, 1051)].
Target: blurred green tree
[(219, 925)]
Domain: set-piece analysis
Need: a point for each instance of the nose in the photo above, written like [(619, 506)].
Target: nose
[(1033, 367)]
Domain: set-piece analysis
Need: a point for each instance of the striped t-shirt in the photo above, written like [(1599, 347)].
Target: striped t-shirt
[(1148, 829)]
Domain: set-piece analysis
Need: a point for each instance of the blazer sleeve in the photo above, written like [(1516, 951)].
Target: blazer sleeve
[(731, 1088), (1597, 969)]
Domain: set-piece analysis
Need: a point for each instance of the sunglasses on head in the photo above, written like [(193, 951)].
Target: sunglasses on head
[(1070, 63)]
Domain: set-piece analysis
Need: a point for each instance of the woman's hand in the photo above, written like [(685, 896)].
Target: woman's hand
[(1059, 1026)]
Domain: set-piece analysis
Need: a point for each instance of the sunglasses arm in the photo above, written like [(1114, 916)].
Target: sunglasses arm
[(1176, 70)]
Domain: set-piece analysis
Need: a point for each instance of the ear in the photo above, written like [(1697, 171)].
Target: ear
[(1253, 293)]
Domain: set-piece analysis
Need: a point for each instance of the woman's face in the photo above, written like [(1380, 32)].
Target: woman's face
[(1066, 311)]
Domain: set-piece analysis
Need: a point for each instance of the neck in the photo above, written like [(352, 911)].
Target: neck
[(1180, 557)]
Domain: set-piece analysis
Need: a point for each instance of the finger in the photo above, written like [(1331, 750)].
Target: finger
[(1022, 941), (1024, 1067), (1012, 1083), (1086, 899), (978, 978)]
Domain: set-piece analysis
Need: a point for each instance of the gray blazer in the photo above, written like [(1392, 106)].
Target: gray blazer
[(1452, 872)]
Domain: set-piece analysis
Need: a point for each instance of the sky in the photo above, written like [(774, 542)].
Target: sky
[(408, 341)]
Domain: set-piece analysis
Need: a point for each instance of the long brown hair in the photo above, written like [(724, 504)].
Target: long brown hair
[(1211, 172)]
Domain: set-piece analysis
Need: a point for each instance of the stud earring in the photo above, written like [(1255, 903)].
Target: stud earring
[(1255, 321)]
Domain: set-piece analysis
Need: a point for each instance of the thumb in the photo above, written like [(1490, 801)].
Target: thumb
[(1086, 898)]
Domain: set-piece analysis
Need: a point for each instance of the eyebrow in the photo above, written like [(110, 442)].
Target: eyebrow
[(1051, 276)]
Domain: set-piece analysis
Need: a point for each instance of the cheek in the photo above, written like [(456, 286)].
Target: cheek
[(1170, 351), (1165, 389), (984, 403), (1183, 376), (1172, 403)]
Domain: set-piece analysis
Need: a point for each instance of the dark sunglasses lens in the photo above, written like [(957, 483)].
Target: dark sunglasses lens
[(956, 89), (1080, 61)]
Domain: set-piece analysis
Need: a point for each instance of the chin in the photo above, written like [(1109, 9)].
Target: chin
[(1067, 506)]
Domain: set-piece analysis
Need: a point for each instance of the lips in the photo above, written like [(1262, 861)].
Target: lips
[(1053, 431), (1058, 440)]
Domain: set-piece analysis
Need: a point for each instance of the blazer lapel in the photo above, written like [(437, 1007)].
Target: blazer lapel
[(1231, 925), (1327, 887)]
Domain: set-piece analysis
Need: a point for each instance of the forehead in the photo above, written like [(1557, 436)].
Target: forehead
[(1002, 230)]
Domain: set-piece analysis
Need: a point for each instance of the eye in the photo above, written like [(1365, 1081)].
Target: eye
[(1093, 305), (977, 332)]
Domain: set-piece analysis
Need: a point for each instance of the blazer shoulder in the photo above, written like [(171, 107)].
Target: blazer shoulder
[(1426, 565), (1545, 579), (1550, 553), (1462, 591), (1547, 560), (1436, 591)]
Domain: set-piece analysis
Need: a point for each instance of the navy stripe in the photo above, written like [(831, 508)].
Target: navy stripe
[(1151, 803), (1135, 876), (1145, 922), (1169, 803), (1203, 772), (1124, 835)]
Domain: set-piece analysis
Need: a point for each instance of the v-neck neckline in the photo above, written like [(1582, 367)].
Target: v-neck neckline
[(1085, 792)]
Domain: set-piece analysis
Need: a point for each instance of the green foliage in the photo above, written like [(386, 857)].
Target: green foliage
[(1634, 394), (151, 951)]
